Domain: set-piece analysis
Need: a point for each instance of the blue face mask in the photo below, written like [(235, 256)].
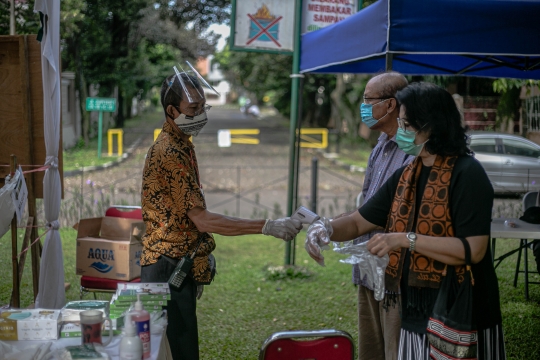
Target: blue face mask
[(366, 113), (405, 141)]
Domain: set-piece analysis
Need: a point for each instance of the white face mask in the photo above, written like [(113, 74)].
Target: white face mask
[(191, 125)]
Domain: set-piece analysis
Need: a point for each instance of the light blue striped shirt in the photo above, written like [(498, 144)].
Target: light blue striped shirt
[(384, 160)]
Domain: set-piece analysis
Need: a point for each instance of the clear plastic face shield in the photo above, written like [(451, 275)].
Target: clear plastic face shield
[(193, 108)]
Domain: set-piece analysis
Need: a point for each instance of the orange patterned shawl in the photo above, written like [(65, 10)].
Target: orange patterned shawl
[(433, 219)]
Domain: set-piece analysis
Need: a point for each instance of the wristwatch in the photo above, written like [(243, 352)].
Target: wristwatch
[(412, 240)]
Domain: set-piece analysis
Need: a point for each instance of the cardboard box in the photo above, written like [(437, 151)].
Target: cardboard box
[(31, 324), (109, 247)]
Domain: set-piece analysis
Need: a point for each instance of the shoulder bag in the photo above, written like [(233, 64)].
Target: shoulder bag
[(451, 328)]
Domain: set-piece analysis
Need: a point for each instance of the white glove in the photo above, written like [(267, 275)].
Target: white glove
[(318, 238), (200, 289), (284, 228)]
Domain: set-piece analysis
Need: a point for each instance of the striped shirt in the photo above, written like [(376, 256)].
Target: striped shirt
[(384, 160)]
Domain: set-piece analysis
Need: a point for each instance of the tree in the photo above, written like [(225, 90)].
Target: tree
[(263, 74), (131, 45), (26, 21), (510, 102)]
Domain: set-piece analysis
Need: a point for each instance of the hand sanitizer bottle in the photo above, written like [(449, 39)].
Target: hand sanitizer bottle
[(142, 323), (131, 347)]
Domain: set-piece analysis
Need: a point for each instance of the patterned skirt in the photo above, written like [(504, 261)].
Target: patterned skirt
[(414, 346)]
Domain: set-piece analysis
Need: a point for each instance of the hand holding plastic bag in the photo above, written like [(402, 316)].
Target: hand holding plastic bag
[(318, 238), (372, 267)]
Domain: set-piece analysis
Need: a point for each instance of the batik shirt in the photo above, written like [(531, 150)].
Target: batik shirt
[(171, 188), (384, 160)]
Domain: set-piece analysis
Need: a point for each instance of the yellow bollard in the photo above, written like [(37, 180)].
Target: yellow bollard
[(120, 134), (238, 136), (311, 142)]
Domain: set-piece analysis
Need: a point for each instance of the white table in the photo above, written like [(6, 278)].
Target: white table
[(523, 231), (159, 345)]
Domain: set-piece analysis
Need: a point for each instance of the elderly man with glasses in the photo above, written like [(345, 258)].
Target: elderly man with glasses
[(178, 225), (379, 321)]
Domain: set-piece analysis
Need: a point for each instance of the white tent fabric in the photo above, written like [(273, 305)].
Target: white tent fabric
[(51, 293)]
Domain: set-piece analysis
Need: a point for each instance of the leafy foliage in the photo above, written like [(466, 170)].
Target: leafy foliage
[(510, 102), (26, 21)]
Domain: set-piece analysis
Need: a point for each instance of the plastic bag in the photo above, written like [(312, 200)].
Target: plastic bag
[(318, 238), (28, 352), (7, 207), (372, 267), (85, 351)]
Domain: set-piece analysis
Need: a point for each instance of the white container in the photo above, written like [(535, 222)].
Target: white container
[(131, 346)]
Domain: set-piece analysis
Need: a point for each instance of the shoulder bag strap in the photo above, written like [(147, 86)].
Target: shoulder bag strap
[(467, 251)]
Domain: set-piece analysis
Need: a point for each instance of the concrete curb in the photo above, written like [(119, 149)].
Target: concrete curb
[(108, 165)]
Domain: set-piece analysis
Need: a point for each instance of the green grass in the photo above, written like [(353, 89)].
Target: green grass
[(241, 309), (356, 154), (86, 155)]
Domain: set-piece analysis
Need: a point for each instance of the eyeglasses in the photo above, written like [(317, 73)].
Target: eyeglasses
[(403, 124), (205, 108), (382, 99)]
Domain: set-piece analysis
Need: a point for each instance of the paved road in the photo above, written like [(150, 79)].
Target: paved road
[(244, 180)]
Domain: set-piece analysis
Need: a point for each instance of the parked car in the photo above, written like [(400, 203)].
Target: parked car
[(512, 162)]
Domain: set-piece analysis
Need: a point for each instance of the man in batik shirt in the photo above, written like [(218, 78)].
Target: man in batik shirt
[(174, 211)]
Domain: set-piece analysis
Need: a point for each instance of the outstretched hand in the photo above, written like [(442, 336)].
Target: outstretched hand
[(318, 238), (283, 228)]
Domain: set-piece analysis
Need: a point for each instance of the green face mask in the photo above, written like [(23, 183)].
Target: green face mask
[(405, 141)]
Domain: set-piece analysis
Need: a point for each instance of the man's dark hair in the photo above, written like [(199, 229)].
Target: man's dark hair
[(432, 109), (390, 83), (172, 92)]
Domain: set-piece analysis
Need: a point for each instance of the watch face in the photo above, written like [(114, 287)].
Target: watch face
[(411, 236)]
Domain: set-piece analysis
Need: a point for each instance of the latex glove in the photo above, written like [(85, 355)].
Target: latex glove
[(200, 289), (318, 238), (283, 228)]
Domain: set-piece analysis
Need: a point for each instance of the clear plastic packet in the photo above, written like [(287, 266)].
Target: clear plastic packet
[(372, 267), (85, 351)]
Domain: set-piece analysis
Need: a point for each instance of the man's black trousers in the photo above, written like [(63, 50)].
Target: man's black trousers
[(182, 331)]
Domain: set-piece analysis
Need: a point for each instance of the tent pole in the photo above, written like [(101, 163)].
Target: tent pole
[(389, 57), (295, 99)]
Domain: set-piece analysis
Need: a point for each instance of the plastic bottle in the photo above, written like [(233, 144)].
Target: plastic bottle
[(142, 323), (131, 346)]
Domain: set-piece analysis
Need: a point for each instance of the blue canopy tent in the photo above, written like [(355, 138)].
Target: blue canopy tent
[(484, 38)]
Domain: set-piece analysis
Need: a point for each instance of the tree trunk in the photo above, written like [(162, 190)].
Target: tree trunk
[(81, 85), (120, 116)]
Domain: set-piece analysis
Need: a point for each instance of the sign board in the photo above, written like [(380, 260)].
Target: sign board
[(100, 104), (263, 25), (317, 14)]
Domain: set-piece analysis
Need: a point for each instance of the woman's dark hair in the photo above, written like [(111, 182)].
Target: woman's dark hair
[(172, 92), (432, 109)]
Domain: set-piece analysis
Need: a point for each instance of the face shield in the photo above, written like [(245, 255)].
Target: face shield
[(193, 108)]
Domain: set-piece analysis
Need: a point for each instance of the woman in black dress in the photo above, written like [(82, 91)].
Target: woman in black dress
[(425, 207)]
